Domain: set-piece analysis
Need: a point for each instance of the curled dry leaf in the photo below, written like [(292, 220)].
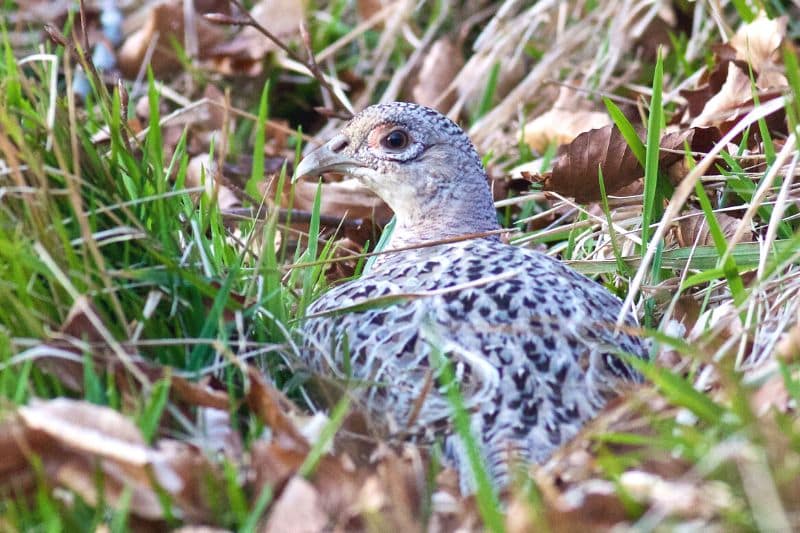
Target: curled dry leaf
[(576, 171), (710, 83), (725, 93), (727, 104), (758, 43), (164, 25), (692, 229), (440, 65)]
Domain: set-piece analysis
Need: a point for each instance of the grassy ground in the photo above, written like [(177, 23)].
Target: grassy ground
[(143, 278)]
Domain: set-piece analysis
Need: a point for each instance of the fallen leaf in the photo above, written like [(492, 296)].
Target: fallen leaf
[(758, 43), (727, 104), (440, 65), (202, 171), (72, 438), (788, 348), (272, 407), (576, 171), (164, 26), (297, 511), (561, 125), (245, 52), (693, 230), (347, 198), (711, 81)]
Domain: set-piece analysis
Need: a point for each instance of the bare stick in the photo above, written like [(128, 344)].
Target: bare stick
[(246, 19)]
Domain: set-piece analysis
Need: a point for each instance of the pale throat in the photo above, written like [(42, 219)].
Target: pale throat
[(440, 212)]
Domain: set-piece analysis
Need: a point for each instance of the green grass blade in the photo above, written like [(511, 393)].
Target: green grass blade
[(257, 172), (622, 266), (488, 503), (326, 435), (154, 407), (650, 209), (729, 265)]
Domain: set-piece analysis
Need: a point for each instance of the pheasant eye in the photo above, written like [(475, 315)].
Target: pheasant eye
[(395, 140)]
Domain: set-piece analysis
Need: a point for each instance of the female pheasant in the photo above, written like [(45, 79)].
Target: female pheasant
[(531, 342)]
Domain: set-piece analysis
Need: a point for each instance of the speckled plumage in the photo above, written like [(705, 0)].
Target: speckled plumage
[(531, 341)]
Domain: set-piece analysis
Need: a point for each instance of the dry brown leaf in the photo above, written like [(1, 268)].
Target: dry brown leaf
[(711, 81), (165, 22), (273, 464), (202, 171), (393, 491), (244, 53), (440, 65), (758, 43), (272, 408), (727, 104), (592, 505), (693, 229), (576, 171), (788, 347), (70, 436), (366, 9), (772, 393), (298, 510), (87, 428), (78, 329), (347, 198), (561, 126), (685, 499)]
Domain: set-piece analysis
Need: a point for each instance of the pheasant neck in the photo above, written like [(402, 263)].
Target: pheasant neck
[(446, 213)]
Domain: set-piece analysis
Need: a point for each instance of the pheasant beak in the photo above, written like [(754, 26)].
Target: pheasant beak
[(326, 158)]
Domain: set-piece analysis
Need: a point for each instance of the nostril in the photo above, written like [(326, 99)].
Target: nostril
[(340, 143)]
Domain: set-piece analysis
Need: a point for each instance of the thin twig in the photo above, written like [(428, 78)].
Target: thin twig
[(247, 213), (449, 240), (246, 19)]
